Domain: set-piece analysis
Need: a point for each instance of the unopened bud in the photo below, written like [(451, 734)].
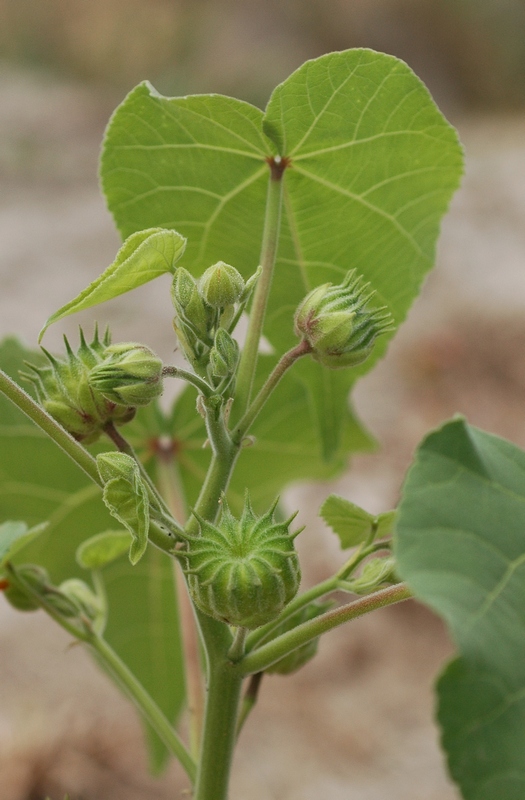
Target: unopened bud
[(64, 389), (339, 325), (221, 285), (224, 355), (130, 375)]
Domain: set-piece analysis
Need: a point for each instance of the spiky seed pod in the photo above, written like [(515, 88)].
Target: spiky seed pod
[(64, 390), (339, 325), (243, 571), (130, 375)]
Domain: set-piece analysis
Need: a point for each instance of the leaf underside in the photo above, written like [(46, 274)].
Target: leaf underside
[(461, 547)]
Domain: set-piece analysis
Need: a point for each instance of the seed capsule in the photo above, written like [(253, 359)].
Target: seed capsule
[(243, 571), (339, 325), (63, 389)]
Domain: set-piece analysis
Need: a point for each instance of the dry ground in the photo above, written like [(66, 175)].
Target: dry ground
[(356, 724)]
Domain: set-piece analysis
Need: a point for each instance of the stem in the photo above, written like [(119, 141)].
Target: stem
[(272, 222), (46, 423), (220, 725), (319, 590), (268, 654), (249, 699), (189, 377), (236, 651), (171, 489), (145, 704), (287, 360)]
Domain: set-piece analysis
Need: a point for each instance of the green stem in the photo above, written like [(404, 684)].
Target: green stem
[(272, 222), (220, 727), (249, 700), (190, 377), (286, 361), (145, 704), (46, 423), (319, 590), (260, 659), (72, 448)]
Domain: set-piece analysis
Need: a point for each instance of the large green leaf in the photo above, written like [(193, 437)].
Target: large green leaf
[(38, 482), (373, 165), (461, 547)]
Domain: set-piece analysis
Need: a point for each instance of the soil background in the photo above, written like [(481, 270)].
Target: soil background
[(357, 722)]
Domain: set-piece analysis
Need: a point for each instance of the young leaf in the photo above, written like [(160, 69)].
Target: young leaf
[(126, 497), (38, 481), (373, 165), (352, 524), (460, 546), (103, 548), (144, 256)]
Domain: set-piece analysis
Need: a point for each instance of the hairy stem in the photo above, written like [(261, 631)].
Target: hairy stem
[(145, 704), (286, 361), (250, 699), (272, 223), (48, 425), (220, 727), (281, 646), (190, 377)]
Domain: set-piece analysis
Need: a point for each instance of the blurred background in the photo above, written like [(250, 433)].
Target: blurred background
[(356, 724)]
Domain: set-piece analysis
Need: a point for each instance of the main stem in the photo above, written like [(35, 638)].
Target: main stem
[(272, 224), (224, 681)]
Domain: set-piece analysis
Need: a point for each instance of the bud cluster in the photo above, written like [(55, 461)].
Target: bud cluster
[(206, 312), (338, 324), (97, 385), (242, 571), (73, 599)]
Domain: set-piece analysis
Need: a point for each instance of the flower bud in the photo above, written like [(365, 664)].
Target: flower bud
[(82, 597), (37, 579), (130, 375), (221, 285), (224, 355), (338, 324), (63, 388), (189, 305), (243, 571)]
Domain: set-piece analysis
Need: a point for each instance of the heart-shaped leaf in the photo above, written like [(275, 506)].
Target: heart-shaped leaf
[(372, 165), (460, 545)]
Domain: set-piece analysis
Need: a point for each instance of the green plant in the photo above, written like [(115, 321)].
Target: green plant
[(319, 219)]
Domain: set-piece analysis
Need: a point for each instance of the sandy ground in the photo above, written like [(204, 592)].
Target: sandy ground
[(355, 724)]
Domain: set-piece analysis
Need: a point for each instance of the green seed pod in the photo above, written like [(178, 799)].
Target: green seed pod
[(298, 658), (38, 580), (338, 324), (243, 572), (221, 285), (63, 389), (130, 375)]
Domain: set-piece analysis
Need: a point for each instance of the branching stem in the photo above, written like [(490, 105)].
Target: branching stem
[(263, 657)]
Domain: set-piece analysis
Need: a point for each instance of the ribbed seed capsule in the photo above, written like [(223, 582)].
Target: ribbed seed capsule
[(64, 390), (243, 572)]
